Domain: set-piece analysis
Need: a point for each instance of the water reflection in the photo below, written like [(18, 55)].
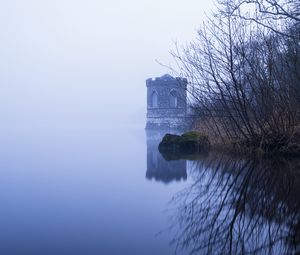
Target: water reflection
[(158, 168), (239, 206)]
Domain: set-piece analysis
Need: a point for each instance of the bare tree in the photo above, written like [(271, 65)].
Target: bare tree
[(272, 14), (244, 82)]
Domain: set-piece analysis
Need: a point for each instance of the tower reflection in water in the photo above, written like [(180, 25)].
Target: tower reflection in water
[(158, 168)]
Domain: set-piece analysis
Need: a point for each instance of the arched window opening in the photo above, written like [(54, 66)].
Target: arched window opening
[(154, 100), (173, 99)]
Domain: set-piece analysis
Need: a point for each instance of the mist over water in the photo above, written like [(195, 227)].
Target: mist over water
[(101, 191), (80, 191), (78, 172), (72, 80), (86, 62)]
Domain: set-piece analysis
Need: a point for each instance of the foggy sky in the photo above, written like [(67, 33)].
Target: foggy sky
[(86, 61)]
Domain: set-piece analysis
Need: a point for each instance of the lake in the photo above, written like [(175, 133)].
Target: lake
[(109, 191)]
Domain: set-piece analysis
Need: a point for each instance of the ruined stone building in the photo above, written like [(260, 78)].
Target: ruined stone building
[(166, 103)]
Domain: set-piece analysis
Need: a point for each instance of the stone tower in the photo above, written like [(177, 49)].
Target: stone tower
[(166, 102)]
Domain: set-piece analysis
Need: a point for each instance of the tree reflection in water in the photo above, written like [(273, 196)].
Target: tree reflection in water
[(239, 206)]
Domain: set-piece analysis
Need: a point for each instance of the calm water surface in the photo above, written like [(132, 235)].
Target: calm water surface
[(109, 191), (82, 191)]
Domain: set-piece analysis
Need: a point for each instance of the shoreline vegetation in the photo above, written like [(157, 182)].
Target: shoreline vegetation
[(193, 144), (243, 70)]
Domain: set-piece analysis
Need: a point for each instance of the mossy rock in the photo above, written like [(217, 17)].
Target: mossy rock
[(190, 142)]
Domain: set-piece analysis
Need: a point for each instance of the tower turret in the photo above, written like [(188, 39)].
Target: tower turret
[(166, 102)]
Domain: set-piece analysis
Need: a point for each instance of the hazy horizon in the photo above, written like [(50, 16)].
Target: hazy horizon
[(64, 62)]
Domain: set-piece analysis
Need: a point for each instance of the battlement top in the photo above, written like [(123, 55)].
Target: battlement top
[(166, 80)]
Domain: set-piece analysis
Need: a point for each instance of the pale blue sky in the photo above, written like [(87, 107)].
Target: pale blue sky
[(70, 61)]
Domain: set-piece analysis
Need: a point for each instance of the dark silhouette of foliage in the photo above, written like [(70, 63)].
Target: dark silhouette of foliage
[(245, 78)]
